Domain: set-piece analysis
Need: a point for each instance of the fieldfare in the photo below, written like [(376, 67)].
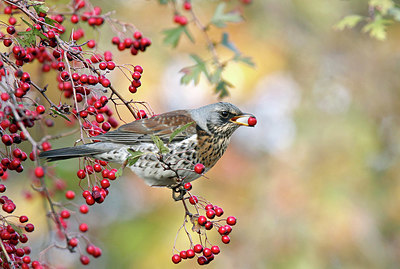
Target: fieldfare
[(204, 141)]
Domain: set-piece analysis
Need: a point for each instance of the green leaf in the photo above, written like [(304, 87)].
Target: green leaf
[(49, 21), (134, 156), (179, 130), (348, 22), (119, 172), (222, 88), (192, 73), (228, 44), (216, 76), (60, 114), (159, 144), (244, 59), (173, 35), (16, 228), (220, 18), (377, 28), (383, 5), (40, 7)]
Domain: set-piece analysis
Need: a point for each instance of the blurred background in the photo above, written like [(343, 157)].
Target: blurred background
[(313, 185)]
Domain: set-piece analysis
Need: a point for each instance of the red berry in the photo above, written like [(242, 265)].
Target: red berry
[(252, 121), (105, 82), (81, 174), (12, 20), (2, 187), (231, 220), (209, 225), (23, 219), (190, 253), (207, 252), (193, 200), (84, 259), (202, 260), (222, 230), (132, 89), (137, 35), (74, 18), (115, 40), (65, 214), (99, 118), (110, 65), (73, 242), (176, 258), (11, 30), (183, 254), (215, 250), (39, 172), (40, 109), (210, 214), (199, 168), (202, 220), (138, 68), (103, 65), (188, 186), (84, 209), (90, 200), (5, 96), (198, 248), (70, 195), (225, 239), (219, 211), (91, 43), (187, 5), (105, 183), (136, 75), (83, 227), (29, 227)]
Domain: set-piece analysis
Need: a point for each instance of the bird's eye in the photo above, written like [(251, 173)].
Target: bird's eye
[(224, 114)]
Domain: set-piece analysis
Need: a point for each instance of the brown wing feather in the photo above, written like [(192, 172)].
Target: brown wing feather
[(162, 125)]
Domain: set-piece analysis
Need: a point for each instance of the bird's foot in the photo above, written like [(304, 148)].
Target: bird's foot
[(178, 192)]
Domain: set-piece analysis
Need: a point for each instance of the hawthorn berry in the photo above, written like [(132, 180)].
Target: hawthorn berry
[(84, 259), (83, 227), (84, 209), (40, 109), (29, 227), (225, 239), (215, 250), (198, 248), (231, 220), (187, 186), (190, 253), (252, 121), (176, 258), (199, 168), (39, 172), (70, 195), (65, 214), (193, 200)]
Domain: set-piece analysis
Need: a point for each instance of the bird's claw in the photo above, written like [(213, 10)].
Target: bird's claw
[(178, 192)]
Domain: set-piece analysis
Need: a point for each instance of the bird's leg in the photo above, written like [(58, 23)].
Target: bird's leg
[(178, 191)]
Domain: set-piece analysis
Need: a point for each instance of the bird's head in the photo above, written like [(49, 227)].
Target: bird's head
[(221, 118)]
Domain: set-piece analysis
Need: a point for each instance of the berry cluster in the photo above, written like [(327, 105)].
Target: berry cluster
[(11, 237), (206, 217), (138, 43)]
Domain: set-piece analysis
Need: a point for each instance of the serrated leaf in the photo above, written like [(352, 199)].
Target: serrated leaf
[(220, 18), (172, 36), (159, 144), (383, 5), (192, 73), (179, 130), (60, 114), (40, 7), (228, 44), (27, 23), (222, 88), (348, 22), (244, 59), (134, 156), (377, 28)]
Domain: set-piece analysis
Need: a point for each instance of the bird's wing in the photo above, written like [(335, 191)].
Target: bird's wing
[(162, 126)]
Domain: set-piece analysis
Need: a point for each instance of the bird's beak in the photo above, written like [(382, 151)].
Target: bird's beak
[(245, 120)]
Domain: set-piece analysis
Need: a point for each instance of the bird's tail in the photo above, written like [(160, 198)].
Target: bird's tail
[(70, 152)]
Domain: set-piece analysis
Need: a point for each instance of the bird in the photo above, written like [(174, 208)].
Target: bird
[(190, 137)]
